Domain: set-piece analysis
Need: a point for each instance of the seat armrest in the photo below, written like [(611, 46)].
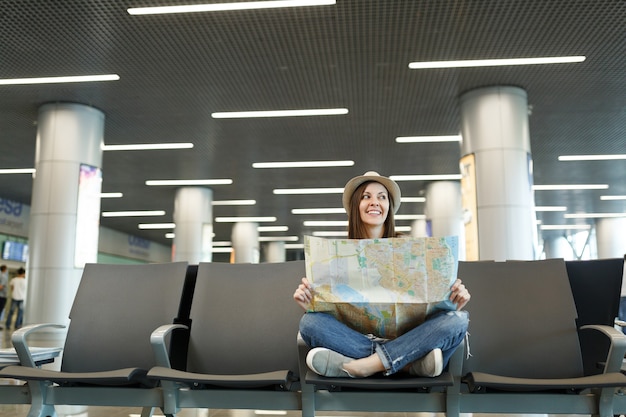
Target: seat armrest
[(21, 347), (159, 345), (617, 348)]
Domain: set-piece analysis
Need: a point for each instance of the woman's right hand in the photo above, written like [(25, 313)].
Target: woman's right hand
[(304, 294)]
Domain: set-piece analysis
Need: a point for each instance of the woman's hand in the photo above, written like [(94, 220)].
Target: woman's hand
[(459, 295), (303, 294)]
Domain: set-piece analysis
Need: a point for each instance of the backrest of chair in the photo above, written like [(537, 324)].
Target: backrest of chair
[(522, 319), (115, 309), (596, 286), (244, 318)]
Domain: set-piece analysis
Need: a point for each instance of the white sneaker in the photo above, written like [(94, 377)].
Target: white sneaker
[(327, 362), (430, 365)]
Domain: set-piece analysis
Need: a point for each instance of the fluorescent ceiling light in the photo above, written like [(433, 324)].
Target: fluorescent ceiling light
[(328, 233), (136, 213), (496, 62), (278, 113), (55, 80), (557, 187), (428, 139), (303, 164), (272, 228), (294, 245), (111, 195), (278, 238), (565, 227), (403, 228), (613, 197), (147, 146), (169, 236), (338, 210), (446, 177), (593, 215), (550, 208), (592, 157), (234, 203), (190, 182), (222, 243), (18, 171), (219, 7), (221, 250), (410, 216), (244, 219), (308, 191), (270, 412), (324, 223), (412, 199), (147, 226)]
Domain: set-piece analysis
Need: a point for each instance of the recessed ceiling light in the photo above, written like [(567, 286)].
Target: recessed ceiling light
[(412, 199), (222, 243), (168, 236), (338, 210), (410, 216), (308, 191), (294, 245), (111, 195), (55, 80), (303, 164), (550, 208), (496, 62), (324, 223), (591, 157), (403, 228), (278, 113), (147, 146), (613, 197), (147, 226), (278, 238), (234, 203), (329, 233), (244, 219), (565, 227), (221, 250), (190, 182), (428, 139), (593, 215), (18, 171), (136, 213), (445, 177), (557, 187), (218, 7), (272, 228)]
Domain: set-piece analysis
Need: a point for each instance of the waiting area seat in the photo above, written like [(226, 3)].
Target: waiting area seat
[(242, 343), (107, 352)]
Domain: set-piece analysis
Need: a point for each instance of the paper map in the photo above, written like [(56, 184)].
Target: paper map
[(383, 287)]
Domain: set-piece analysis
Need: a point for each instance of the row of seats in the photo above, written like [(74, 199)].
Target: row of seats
[(216, 335)]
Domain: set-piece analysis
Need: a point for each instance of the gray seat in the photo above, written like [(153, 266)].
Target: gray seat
[(107, 351), (525, 351), (242, 347)]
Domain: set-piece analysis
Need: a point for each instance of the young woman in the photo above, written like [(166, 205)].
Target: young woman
[(371, 201)]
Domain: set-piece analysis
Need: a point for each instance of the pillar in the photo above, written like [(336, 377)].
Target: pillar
[(245, 238), (419, 228), (193, 218), (496, 167), (275, 252), (64, 213), (611, 237), (444, 211), (558, 247)]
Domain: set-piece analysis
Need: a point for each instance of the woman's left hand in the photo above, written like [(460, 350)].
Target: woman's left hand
[(459, 294)]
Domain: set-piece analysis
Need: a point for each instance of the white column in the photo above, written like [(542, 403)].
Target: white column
[(611, 237), (68, 158), (495, 132), (245, 238), (445, 212), (193, 217), (558, 247), (275, 252), (419, 228)]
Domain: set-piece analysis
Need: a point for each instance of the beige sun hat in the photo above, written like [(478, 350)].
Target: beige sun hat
[(389, 184)]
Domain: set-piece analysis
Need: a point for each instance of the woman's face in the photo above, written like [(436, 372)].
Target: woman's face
[(374, 205)]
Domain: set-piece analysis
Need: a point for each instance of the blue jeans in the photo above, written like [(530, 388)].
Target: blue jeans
[(19, 306), (444, 330)]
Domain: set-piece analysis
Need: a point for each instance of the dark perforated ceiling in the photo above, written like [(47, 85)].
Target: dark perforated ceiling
[(175, 70)]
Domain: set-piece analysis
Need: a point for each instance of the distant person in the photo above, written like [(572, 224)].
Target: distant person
[(4, 287), (18, 293)]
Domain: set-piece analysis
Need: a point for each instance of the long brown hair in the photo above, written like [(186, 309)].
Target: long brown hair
[(356, 228)]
